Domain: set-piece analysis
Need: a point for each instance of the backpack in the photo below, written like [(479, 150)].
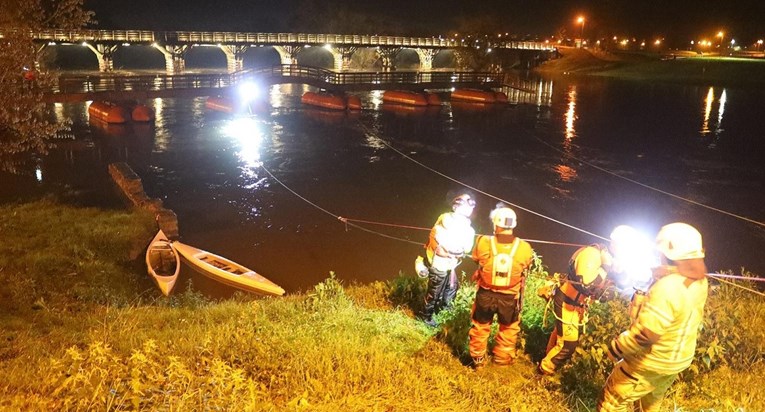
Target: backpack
[(502, 265)]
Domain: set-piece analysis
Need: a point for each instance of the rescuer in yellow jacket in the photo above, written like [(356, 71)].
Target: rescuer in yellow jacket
[(586, 278), (502, 259), (661, 342), (450, 239)]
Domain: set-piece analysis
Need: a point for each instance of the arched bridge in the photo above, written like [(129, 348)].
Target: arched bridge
[(79, 88), (174, 44)]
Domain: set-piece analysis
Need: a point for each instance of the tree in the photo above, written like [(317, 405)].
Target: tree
[(480, 37), (25, 124)]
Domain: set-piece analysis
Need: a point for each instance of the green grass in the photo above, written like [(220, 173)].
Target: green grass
[(337, 347), (693, 70)]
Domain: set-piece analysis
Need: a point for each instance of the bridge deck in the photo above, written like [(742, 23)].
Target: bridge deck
[(256, 39)]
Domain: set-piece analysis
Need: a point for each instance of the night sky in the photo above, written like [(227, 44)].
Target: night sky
[(682, 20)]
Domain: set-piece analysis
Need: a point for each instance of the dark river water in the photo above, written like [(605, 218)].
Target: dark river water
[(587, 153)]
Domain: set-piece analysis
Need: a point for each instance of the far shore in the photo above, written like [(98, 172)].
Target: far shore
[(676, 67)]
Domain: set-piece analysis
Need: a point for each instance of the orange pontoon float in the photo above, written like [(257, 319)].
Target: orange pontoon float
[(142, 113), (354, 103), (474, 95), (405, 97), (324, 99), (108, 112)]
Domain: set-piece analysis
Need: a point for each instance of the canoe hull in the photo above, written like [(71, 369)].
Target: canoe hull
[(227, 271), (163, 263)]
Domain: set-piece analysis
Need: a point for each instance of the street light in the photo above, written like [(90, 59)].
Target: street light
[(721, 35), (759, 44), (580, 20)]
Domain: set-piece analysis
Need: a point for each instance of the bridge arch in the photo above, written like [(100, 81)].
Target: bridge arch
[(205, 57), (444, 59), (261, 57), (138, 56), (316, 57), (67, 56)]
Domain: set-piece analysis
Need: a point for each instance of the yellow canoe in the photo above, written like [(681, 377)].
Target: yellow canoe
[(226, 271), (162, 262)]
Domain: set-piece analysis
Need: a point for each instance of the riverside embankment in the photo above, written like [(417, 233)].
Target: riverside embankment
[(681, 67), (84, 328)]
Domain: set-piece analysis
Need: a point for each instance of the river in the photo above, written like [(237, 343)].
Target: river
[(575, 155)]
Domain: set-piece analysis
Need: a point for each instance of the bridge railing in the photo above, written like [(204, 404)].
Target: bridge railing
[(89, 84), (270, 74), (94, 35), (287, 71)]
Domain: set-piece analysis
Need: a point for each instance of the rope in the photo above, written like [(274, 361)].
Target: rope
[(720, 275), (347, 219), (648, 186), (334, 215), (756, 292), (370, 222), (384, 142)]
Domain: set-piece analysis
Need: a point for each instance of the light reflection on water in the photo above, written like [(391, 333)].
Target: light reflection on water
[(204, 165), (571, 114), (706, 126)]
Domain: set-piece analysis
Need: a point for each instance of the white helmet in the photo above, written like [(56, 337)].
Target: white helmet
[(680, 241), (503, 217)]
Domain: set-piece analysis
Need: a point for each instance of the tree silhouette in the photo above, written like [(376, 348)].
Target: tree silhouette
[(24, 122)]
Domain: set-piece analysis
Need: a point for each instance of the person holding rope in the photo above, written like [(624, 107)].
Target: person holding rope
[(661, 342), (586, 279), (502, 262), (450, 239)]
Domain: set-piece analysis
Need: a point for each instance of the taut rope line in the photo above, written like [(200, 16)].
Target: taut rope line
[(648, 186), (334, 215), (384, 142)]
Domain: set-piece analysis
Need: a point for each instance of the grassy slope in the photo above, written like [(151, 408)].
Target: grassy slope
[(66, 346), (697, 70)]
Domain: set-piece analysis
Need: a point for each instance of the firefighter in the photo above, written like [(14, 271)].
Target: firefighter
[(502, 259), (661, 341), (450, 239), (586, 279)]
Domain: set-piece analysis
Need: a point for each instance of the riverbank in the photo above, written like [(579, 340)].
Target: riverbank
[(85, 328), (681, 68)]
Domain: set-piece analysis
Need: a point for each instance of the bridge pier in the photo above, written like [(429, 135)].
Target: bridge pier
[(342, 57), (174, 57), (234, 57), (388, 56), (105, 55), (426, 57), (288, 54)]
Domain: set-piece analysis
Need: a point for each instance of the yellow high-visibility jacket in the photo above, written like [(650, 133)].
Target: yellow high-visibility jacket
[(451, 237), (663, 337)]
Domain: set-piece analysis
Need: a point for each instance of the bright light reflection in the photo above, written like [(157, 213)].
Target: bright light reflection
[(38, 173), (571, 114), (247, 132), (708, 110), (376, 98), (161, 138), (276, 97), (721, 111), (58, 110)]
